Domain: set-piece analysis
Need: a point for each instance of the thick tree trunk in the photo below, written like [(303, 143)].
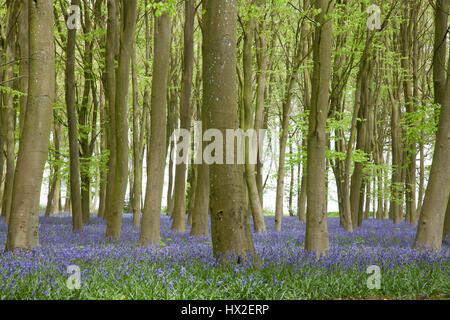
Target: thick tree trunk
[(33, 147), (230, 227), (433, 212), (156, 152), (316, 238), (431, 221)]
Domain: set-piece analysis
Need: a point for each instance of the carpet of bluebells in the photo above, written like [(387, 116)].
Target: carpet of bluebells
[(183, 266)]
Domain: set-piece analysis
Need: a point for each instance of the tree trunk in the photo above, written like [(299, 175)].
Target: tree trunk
[(53, 195), (179, 210), (128, 25), (431, 222), (395, 206), (110, 61), (137, 145), (230, 227), (316, 238), (172, 119), (291, 183), (75, 191), (202, 188), (261, 76), (8, 112), (33, 148), (301, 200), (156, 151), (249, 114)]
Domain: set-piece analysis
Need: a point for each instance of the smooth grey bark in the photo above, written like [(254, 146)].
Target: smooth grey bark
[(179, 210), (156, 152), (33, 145), (316, 238), (230, 227), (75, 190), (128, 26)]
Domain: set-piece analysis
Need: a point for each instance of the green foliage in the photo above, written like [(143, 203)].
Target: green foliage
[(161, 7)]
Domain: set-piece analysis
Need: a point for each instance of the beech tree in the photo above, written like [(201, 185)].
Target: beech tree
[(156, 152), (431, 221), (230, 228), (23, 230), (358, 88), (316, 238), (128, 25)]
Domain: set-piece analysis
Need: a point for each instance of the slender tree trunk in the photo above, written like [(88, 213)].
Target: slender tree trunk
[(75, 191), (8, 112), (202, 188), (440, 49), (395, 206), (261, 76), (409, 93), (249, 114), (103, 171), (172, 119), (110, 54), (128, 25), (283, 142), (357, 184), (179, 211), (24, 60), (53, 196), (301, 200), (137, 147), (291, 183)]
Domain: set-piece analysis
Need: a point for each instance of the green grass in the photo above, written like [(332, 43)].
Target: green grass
[(201, 282)]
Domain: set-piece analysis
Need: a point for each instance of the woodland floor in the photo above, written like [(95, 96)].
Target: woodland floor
[(183, 267)]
